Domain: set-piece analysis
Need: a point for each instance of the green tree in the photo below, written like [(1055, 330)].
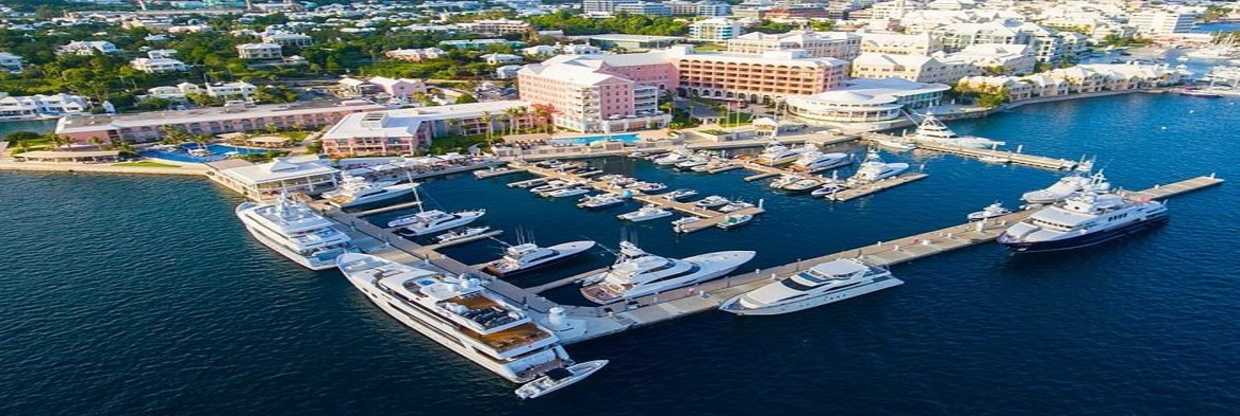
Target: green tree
[(466, 99)]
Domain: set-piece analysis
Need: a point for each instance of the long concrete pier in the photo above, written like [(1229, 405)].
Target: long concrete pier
[(1011, 157)]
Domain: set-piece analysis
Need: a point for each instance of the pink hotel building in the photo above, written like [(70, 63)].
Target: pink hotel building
[(620, 92)]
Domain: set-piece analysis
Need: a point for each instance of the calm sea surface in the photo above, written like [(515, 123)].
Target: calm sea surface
[(144, 295)]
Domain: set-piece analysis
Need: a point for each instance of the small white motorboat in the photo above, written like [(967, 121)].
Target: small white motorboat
[(991, 211), (646, 213), (711, 202), (600, 201), (566, 192), (679, 225), (735, 206), (995, 159), (733, 221), (559, 378), (679, 194), (461, 234)]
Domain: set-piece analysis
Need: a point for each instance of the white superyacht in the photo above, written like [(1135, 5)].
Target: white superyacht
[(815, 161), (874, 169), (637, 273), (933, 131), (460, 314), (355, 191), (1082, 220), (295, 231), (528, 256), (776, 154), (825, 283)]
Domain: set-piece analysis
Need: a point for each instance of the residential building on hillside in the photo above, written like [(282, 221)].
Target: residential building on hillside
[(899, 44), (231, 89), (158, 65), (1009, 59), (288, 39), (260, 51), (40, 106), (602, 6), (716, 29), (10, 62), (924, 69), (415, 55), (496, 27), (88, 48), (644, 8)]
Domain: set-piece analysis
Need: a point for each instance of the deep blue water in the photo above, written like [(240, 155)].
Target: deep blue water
[(144, 295)]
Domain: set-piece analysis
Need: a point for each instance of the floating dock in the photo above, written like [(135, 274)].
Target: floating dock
[(854, 192), (1012, 157), (469, 239), (491, 173), (388, 208)]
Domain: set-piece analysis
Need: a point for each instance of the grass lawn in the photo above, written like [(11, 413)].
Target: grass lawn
[(146, 164)]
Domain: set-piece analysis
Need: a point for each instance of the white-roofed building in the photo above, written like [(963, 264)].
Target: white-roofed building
[(41, 106), (231, 89), (715, 30), (998, 58), (405, 131), (866, 101), (926, 69), (1161, 22), (260, 51), (10, 62), (158, 65), (88, 48), (264, 182), (840, 45), (415, 55), (288, 39), (899, 43)]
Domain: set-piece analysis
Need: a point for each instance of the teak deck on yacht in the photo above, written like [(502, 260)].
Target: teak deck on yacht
[(511, 337)]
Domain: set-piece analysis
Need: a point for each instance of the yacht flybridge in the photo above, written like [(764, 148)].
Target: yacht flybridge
[(825, 283), (933, 131), (1066, 187), (295, 231), (874, 169), (637, 273), (528, 256), (460, 314), (776, 154)]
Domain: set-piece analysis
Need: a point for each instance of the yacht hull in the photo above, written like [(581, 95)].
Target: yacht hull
[(715, 265), (733, 305), (1082, 241), (566, 251), (388, 195), (260, 234)]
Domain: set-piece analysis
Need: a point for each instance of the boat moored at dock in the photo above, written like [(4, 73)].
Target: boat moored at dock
[(295, 231), (1083, 220), (559, 378), (931, 130), (874, 169), (525, 257), (1066, 187), (637, 273), (356, 191), (824, 283), (460, 314)]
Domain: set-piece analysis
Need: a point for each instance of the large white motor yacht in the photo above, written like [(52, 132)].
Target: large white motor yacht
[(934, 131), (874, 169), (646, 213), (825, 283), (814, 161), (776, 154), (295, 231), (355, 190), (433, 221), (637, 273), (1082, 220), (528, 256), (1066, 187), (671, 158), (460, 314)]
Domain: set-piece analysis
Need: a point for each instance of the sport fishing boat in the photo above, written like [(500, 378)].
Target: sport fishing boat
[(734, 220), (825, 283), (679, 194), (874, 169), (295, 231), (355, 190), (637, 273), (671, 158), (600, 201), (933, 131), (991, 211), (528, 256), (558, 378), (461, 234), (711, 202), (814, 161), (459, 314), (1082, 220), (1066, 187), (646, 213), (429, 222), (776, 154), (802, 185)]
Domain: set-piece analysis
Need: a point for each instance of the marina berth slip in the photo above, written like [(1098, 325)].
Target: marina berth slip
[(356, 191), (874, 169), (824, 283), (931, 130), (295, 231), (529, 256), (460, 314), (637, 273), (426, 222), (1083, 220), (815, 161)]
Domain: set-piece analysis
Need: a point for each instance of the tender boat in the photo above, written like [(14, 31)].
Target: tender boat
[(991, 211), (637, 273), (874, 169), (528, 256), (1066, 187), (1082, 220), (355, 190), (814, 161), (566, 192), (711, 202), (559, 378), (680, 223), (600, 201), (646, 213), (648, 187), (733, 221), (735, 206), (460, 314), (692, 163), (295, 231), (461, 234), (679, 194), (802, 185), (828, 188), (934, 131), (776, 154), (825, 283)]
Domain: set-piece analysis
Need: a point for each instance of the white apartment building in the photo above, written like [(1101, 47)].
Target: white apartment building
[(495, 27), (10, 62), (415, 55), (899, 44), (1162, 22), (839, 45), (288, 39), (88, 47), (716, 30), (41, 106), (158, 65), (924, 69), (1010, 59), (161, 53), (231, 89), (602, 6), (260, 51)]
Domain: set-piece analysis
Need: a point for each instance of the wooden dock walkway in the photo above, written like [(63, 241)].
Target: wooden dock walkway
[(854, 192), (388, 208), (1169, 190), (1013, 157)]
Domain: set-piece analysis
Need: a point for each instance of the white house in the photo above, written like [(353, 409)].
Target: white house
[(259, 51), (231, 89), (10, 62), (87, 47), (158, 65), (501, 59), (41, 106)]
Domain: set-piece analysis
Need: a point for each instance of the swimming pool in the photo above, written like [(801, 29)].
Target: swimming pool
[(626, 137), (218, 152)]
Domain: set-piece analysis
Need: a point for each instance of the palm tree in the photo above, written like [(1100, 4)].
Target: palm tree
[(512, 114), (543, 112), (201, 140), (57, 140), (486, 118), (174, 135)]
